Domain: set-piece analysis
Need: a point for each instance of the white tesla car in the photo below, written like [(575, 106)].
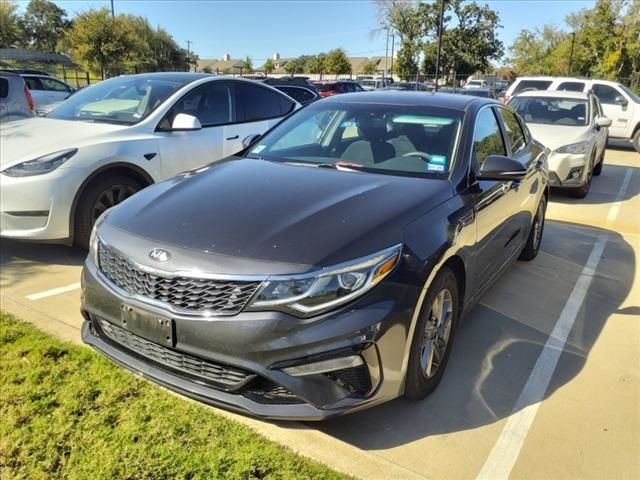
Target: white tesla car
[(58, 174), (573, 127)]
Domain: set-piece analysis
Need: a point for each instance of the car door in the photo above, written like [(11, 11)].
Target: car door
[(620, 114), (182, 150), (494, 201), (257, 108), (56, 90), (525, 193)]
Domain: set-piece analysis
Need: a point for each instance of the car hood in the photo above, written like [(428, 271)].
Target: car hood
[(32, 138), (274, 212), (555, 136)]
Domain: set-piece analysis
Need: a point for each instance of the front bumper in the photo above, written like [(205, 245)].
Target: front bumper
[(563, 166), (38, 207), (254, 348)]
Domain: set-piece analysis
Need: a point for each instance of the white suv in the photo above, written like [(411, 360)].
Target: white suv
[(619, 103)]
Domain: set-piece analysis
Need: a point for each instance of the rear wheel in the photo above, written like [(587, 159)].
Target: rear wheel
[(532, 247), (100, 195), (433, 336), (636, 140)]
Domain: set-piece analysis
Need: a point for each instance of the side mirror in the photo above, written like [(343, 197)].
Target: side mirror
[(499, 167), (620, 100), (603, 122), (250, 140), (186, 122)]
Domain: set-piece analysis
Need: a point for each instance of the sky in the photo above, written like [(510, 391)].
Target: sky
[(259, 28)]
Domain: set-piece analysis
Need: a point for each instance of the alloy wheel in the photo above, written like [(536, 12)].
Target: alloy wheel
[(110, 198), (437, 333)]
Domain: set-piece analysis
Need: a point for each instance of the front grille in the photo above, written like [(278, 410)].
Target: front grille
[(183, 293), (220, 376)]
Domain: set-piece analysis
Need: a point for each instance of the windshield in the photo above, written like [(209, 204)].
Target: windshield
[(122, 100), (633, 96), (551, 111), (392, 139)]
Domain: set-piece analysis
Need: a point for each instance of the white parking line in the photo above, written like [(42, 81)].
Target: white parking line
[(52, 292), (505, 452)]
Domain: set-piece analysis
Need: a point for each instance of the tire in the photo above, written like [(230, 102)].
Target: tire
[(597, 170), (636, 140), (420, 380), (583, 190), (102, 193), (534, 240)]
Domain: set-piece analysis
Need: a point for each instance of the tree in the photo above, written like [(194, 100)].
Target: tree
[(269, 66), (337, 62), (539, 51), (100, 43), (317, 63), (370, 67), (406, 65), (43, 25), (405, 20), (247, 65), (10, 32)]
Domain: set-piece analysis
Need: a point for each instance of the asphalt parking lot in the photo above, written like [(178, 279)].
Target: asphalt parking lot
[(544, 378)]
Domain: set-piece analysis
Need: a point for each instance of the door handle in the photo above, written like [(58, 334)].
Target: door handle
[(233, 138)]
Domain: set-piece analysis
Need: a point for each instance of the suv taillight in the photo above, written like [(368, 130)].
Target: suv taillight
[(27, 95)]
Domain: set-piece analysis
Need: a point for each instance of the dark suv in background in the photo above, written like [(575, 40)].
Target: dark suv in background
[(335, 87)]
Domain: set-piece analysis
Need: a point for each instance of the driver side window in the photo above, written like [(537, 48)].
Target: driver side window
[(210, 104), (487, 139)]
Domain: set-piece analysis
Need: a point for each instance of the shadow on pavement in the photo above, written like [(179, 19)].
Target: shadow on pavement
[(620, 145), (500, 340)]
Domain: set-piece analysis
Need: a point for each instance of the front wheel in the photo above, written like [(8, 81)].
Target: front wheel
[(597, 170), (433, 336), (532, 247), (100, 195)]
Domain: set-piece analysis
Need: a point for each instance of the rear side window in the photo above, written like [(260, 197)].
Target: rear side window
[(325, 87), (210, 104), (255, 103), (33, 83), (487, 139), (513, 129), (531, 85), (4, 88), (605, 93), (54, 85), (571, 86), (301, 95)]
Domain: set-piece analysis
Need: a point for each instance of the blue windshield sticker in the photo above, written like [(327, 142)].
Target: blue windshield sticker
[(435, 167), (439, 159), (348, 123)]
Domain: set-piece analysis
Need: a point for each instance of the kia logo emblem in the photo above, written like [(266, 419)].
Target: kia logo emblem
[(159, 255)]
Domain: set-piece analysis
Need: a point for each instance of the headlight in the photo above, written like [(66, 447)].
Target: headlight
[(310, 294), (41, 165), (575, 148), (94, 239)]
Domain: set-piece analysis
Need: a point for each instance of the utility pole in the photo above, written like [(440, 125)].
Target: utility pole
[(393, 38), (386, 55), (189, 42), (440, 20), (113, 11), (573, 41)]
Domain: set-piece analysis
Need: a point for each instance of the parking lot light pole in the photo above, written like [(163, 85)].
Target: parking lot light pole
[(393, 39), (386, 55), (573, 41), (440, 20), (113, 11)]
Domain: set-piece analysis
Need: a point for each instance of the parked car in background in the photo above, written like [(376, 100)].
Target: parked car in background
[(335, 87), (59, 173), (573, 126), (46, 89), (476, 83), (16, 101), (619, 103), (338, 284), (374, 84), (474, 92), (300, 89), (408, 86)]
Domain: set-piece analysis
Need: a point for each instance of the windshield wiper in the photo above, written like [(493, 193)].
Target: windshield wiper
[(352, 167)]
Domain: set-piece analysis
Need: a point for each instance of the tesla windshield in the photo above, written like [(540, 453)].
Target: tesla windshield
[(394, 139), (551, 110), (125, 100)]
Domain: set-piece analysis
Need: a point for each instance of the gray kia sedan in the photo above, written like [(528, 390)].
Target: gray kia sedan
[(324, 269)]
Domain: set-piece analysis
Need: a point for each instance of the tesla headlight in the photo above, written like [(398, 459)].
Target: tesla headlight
[(310, 294), (41, 165), (574, 148)]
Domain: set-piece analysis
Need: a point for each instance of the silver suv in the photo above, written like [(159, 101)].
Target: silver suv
[(16, 102)]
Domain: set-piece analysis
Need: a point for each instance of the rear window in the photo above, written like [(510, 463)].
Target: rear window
[(571, 86), (531, 85), (4, 88), (325, 87), (301, 95)]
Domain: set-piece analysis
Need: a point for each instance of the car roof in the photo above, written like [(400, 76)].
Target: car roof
[(553, 94), (420, 99), (183, 77)]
